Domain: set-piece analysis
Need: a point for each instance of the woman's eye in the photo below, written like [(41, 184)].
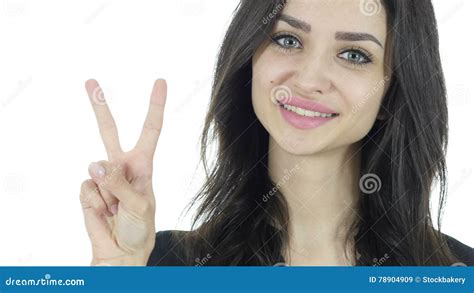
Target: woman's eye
[(355, 57), (287, 42)]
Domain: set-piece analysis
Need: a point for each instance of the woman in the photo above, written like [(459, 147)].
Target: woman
[(331, 123)]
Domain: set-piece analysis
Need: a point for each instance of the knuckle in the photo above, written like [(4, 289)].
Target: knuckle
[(114, 183), (86, 189), (86, 185), (90, 197), (114, 178), (109, 200)]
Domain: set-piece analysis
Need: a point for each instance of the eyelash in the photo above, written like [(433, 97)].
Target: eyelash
[(358, 50), (279, 36)]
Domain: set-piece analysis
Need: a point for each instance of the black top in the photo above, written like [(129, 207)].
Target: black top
[(168, 251)]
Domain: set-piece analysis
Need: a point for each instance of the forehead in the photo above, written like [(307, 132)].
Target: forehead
[(329, 16)]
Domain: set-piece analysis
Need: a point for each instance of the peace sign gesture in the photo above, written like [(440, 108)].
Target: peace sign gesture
[(118, 202)]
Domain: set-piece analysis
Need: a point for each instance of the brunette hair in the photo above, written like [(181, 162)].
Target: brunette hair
[(406, 151)]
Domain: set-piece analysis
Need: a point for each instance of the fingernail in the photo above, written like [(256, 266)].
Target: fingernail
[(97, 170), (114, 209)]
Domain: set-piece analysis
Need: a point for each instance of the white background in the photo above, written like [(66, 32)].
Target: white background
[(48, 133)]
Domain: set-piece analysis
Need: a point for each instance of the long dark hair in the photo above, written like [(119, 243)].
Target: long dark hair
[(233, 226)]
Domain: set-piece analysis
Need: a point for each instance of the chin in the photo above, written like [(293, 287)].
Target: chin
[(300, 145)]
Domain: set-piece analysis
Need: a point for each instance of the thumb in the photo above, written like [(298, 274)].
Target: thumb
[(111, 177)]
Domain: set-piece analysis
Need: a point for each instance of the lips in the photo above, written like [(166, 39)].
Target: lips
[(307, 105)]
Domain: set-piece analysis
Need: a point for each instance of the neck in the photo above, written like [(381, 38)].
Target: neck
[(321, 191)]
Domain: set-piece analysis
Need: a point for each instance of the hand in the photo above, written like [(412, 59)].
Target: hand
[(118, 202)]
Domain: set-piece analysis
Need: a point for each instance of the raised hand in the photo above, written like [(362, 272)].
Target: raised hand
[(118, 202)]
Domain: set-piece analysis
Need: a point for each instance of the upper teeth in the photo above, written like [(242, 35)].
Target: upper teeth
[(307, 113)]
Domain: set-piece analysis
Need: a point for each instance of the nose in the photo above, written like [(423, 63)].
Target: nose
[(313, 77)]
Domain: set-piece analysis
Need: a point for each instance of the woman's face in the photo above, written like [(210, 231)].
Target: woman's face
[(328, 52)]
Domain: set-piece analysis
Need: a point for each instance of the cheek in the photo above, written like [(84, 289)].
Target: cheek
[(363, 98), (268, 74)]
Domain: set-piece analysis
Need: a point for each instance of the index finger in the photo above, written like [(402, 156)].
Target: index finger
[(154, 120), (105, 121)]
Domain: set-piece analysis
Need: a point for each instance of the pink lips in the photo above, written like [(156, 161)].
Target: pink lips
[(303, 122), (307, 104)]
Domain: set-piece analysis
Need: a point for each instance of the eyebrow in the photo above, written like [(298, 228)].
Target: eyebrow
[(351, 36), (294, 22), (340, 36)]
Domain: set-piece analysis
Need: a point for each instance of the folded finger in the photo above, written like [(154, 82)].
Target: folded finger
[(91, 198)]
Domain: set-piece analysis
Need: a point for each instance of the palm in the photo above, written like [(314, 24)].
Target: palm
[(110, 235), (139, 168)]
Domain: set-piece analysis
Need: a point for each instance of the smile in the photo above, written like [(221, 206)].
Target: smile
[(307, 113), (304, 119)]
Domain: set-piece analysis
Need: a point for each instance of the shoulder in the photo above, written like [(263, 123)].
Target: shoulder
[(168, 250), (463, 252)]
